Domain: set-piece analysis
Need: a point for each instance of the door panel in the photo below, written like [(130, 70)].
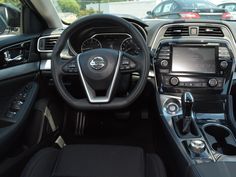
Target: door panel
[(19, 68)]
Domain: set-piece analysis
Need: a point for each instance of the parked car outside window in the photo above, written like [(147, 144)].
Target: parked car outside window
[(230, 7), (189, 9)]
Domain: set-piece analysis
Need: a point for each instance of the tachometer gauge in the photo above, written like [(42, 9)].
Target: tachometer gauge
[(90, 44), (129, 46)]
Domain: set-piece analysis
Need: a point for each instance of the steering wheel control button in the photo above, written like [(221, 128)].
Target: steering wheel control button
[(127, 64), (224, 64), (125, 61), (174, 81), (197, 146), (71, 67), (213, 82), (164, 63)]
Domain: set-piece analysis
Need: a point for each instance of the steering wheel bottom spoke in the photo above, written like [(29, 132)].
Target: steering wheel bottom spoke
[(90, 91)]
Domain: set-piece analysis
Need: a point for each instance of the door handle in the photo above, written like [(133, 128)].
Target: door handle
[(7, 57)]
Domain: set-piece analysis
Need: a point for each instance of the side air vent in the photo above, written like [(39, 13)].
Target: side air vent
[(177, 31), (210, 31), (47, 43)]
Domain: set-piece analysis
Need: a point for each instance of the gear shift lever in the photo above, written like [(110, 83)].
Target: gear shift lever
[(187, 105)]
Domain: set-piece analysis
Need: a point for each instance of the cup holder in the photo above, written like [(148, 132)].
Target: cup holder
[(220, 139), (217, 131)]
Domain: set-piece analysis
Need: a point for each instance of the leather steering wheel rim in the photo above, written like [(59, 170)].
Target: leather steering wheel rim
[(116, 102)]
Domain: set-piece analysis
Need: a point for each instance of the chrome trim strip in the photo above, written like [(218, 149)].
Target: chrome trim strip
[(44, 37), (45, 65), (234, 76), (13, 45), (71, 48), (23, 69), (90, 92), (103, 34)]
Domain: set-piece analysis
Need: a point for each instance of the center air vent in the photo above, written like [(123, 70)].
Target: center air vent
[(177, 31), (46, 44), (210, 31)]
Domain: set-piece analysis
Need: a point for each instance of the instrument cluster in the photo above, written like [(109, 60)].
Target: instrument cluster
[(117, 41)]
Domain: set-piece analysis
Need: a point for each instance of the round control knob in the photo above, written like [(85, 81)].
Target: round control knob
[(224, 64), (172, 108), (164, 63), (197, 146), (213, 82), (174, 81)]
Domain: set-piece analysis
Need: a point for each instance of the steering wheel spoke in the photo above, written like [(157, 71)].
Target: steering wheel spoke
[(98, 70), (130, 63)]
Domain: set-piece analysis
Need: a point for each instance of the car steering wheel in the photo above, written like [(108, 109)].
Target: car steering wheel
[(99, 69)]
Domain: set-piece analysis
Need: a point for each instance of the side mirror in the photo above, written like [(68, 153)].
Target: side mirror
[(3, 25), (149, 13), (11, 15)]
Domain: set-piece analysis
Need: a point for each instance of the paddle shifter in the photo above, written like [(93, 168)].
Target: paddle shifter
[(187, 107)]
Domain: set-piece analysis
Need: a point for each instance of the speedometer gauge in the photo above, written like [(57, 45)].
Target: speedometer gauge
[(130, 47), (90, 44)]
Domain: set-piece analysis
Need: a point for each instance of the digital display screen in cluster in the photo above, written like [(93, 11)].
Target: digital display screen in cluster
[(194, 59)]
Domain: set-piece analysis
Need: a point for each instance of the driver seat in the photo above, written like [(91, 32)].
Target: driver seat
[(94, 161)]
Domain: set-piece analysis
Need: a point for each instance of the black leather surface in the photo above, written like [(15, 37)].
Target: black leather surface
[(218, 169), (94, 161)]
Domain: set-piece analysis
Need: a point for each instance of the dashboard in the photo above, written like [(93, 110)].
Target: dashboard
[(186, 56)]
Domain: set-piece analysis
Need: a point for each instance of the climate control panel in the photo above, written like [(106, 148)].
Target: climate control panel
[(181, 66)]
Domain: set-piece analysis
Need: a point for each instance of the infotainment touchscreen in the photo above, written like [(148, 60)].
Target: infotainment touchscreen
[(194, 59)]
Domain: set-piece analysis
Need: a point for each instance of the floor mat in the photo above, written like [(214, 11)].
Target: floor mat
[(103, 128)]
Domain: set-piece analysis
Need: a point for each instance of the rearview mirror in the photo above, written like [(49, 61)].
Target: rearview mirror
[(3, 25)]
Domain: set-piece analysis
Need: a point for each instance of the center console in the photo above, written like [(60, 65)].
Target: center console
[(200, 67), (193, 81)]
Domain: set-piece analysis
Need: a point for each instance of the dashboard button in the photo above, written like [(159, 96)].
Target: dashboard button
[(174, 81), (224, 64), (204, 84), (197, 84), (213, 82), (172, 108), (164, 63)]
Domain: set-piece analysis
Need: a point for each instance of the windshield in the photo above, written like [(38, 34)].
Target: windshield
[(70, 10)]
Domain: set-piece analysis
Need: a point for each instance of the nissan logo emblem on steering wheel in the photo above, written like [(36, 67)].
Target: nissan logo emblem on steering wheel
[(97, 63)]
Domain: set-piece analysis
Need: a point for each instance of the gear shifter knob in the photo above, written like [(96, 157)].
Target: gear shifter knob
[(187, 106)]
